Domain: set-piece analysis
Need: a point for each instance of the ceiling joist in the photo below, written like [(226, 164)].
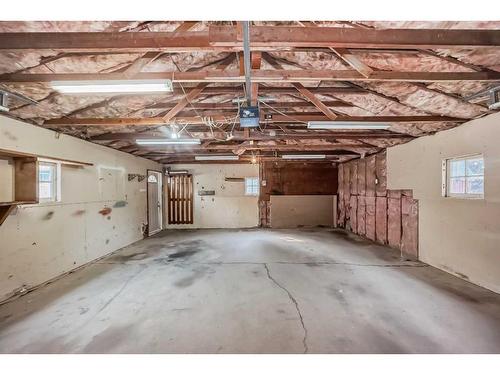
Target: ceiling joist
[(304, 118), (260, 76), (295, 78), (256, 136), (261, 37)]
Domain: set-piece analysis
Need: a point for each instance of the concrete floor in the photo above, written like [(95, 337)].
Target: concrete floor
[(254, 291)]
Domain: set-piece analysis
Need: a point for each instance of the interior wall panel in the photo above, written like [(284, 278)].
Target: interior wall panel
[(370, 176), (381, 220), (409, 221), (370, 217), (341, 203), (361, 216), (354, 177), (381, 174), (362, 176), (394, 222), (353, 209)]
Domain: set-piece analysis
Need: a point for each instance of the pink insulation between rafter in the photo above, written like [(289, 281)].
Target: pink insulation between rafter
[(367, 208)]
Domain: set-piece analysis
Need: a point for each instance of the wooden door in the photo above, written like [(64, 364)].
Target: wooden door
[(180, 199), (155, 206)]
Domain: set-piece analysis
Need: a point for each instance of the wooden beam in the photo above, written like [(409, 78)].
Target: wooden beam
[(108, 41), (261, 76), (353, 61), (348, 57), (196, 91), (314, 100), (256, 61), (149, 57), (256, 136), (184, 102), (140, 63), (304, 91), (234, 106), (293, 36), (261, 38), (255, 146), (283, 90), (126, 121)]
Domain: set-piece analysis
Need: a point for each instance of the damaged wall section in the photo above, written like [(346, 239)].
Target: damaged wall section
[(367, 208), (100, 211), (293, 178)]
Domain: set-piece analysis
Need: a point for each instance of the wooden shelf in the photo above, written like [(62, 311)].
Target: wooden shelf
[(7, 207), (26, 178), (25, 181), (18, 154), (17, 203)]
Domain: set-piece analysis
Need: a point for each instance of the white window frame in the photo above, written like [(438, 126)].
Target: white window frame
[(446, 176), (252, 182), (56, 187)]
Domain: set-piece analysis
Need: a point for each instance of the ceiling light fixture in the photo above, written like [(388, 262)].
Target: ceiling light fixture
[(3, 102), (356, 125), (216, 157), (167, 141), (113, 87), (172, 173), (304, 156)]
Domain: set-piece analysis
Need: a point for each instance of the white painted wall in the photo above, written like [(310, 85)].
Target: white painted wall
[(292, 211), (229, 207), (35, 245), (460, 236)]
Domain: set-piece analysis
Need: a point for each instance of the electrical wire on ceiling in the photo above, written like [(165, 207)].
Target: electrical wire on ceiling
[(208, 121), (284, 114)]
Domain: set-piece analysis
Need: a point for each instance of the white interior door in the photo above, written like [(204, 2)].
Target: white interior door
[(155, 202)]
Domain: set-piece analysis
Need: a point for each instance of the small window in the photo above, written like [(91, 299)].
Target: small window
[(251, 186), (464, 177), (48, 189)]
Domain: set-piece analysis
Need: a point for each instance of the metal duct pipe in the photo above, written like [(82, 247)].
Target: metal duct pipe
[(246, 59)]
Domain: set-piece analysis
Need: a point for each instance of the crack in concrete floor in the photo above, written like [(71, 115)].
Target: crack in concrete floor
[(360, 299), (292, 298), (119, 291)]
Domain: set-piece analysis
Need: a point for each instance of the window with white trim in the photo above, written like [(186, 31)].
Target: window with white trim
[(48, 181), (463, 177), (251, 186)]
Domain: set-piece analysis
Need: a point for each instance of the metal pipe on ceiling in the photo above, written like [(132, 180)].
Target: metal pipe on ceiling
[(246, 60)]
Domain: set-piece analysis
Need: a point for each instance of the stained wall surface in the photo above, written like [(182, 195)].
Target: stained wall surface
[(39, 242), (460, 236), (229, 207)]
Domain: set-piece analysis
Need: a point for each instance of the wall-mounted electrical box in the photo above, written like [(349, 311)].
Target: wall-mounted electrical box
[(206, 192)]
